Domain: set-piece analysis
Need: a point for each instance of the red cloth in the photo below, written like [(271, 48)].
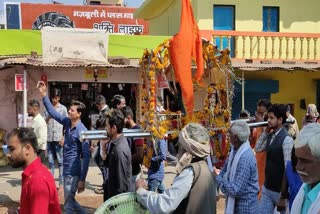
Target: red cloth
[(39, 193), (183, 46), (138, 142)]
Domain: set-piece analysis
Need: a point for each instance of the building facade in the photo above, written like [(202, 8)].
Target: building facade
[(275, 45)]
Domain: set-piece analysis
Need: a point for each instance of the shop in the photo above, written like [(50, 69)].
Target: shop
[(76, 82)]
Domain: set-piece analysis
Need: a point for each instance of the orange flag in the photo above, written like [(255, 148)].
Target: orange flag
[(183, 46)]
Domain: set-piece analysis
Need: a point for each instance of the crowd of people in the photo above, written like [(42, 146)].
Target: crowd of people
[(269, 169)]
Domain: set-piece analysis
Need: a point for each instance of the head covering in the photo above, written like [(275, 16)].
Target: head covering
[(194, 142), (310, 135), (194, 139)]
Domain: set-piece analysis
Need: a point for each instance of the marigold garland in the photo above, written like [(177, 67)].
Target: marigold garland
[(215, 114)]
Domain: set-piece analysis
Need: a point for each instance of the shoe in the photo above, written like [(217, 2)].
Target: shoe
[(98, 190)]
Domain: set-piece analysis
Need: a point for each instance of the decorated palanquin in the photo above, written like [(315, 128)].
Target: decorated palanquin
[(215, 114)]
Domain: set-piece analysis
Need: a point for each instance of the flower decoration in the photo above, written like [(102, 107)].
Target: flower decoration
[(216, 112)]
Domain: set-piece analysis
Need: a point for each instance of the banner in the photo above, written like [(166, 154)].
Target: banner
[(19, 81), (72, 46), (109, 18)]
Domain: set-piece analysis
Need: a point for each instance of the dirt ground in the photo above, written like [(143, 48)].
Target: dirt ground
[(10, 188)]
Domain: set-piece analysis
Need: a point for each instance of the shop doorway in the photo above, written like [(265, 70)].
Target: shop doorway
[(87, 93)]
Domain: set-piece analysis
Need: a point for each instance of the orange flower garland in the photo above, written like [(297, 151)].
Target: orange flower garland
[(215, 114)]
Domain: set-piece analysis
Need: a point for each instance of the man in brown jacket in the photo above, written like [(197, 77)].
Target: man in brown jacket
[(194, 180)]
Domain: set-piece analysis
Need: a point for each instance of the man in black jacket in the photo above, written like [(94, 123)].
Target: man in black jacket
[(103, 108), (117, 155)]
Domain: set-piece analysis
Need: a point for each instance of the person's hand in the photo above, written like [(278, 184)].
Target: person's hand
[(141, 183), (104, 143), (81, 186), (42, 88), (281, 206), (93, 146), (259, 117), (61, 142), (268, 130)]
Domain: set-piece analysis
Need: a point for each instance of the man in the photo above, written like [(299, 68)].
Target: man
[(261, 115), (238, 179), (277, 143), (55, 136), (38, 193), (193, 190), (39, 126), (307, 151), (74, 169), (311, 115), (117, 155), (292, 126), (102, 106), (118, 101), (135, 144), (262, 110), (245, 114)]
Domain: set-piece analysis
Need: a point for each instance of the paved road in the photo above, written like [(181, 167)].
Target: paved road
[(10, 188)]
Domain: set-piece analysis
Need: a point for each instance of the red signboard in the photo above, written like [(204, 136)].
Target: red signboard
[(18, 82), (111, 19)]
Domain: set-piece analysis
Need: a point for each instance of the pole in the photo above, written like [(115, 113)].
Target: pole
[(242, 94), (25, 114)]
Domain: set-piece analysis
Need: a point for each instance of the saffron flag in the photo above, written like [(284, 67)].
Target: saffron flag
[(184, 46)]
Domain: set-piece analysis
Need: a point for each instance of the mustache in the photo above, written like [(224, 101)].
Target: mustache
[(302, 173)]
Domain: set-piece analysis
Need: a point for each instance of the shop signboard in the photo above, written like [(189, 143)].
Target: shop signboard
[(100, 73), (112, 19), (72, 46), (19, 80)]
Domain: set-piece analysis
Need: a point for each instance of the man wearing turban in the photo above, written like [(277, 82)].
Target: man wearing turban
[(193, 189)]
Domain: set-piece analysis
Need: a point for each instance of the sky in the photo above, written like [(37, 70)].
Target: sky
[(130, 3)]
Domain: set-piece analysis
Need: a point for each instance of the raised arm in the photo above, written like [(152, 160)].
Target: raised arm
[(54, 114), (49, 107)]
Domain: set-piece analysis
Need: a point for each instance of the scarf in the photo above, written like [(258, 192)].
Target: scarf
[(298, 202), (231, 171)]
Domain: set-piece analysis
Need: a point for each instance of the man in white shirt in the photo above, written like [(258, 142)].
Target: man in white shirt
[(39, 126), (307, 151)]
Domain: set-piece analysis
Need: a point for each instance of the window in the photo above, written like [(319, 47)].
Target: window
[(271, 19), (224, 19)]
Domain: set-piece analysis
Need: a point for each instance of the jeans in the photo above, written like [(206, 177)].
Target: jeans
[(70, 188), (54, 149), (98, 160), (156, 185), (268, 201)]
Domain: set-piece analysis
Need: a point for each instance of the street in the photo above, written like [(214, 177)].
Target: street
[(10, 188)]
